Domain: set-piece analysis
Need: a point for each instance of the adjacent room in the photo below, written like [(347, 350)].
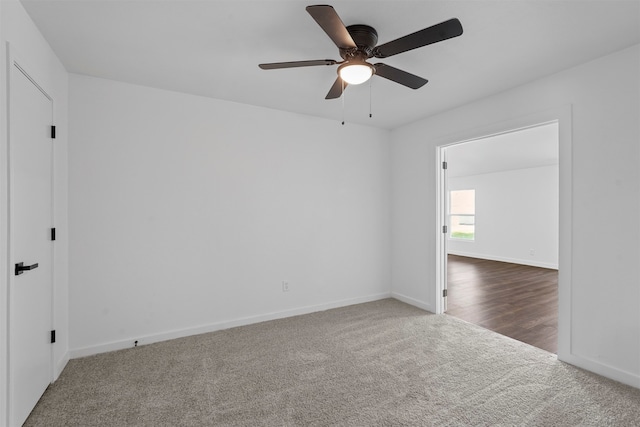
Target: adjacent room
[(502, 244), (231, 212)]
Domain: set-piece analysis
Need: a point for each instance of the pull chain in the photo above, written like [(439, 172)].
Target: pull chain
[(342, 83), (370, 102)]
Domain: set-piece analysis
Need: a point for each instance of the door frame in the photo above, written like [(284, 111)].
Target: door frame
[(442, 203), (15, 64), (563, 116)]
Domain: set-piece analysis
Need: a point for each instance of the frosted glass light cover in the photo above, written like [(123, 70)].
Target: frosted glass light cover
[(355, 74)]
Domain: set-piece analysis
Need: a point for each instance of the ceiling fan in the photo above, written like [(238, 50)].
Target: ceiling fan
[(357, 43)]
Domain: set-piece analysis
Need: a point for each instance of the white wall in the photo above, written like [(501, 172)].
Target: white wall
[(187, 213), (34, 53), (516, 211), (603, 295)]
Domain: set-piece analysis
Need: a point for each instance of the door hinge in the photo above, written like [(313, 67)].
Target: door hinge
[(444, 229), (444, 293), (53, 336), (444, 165), (53, 234), (53, 132)]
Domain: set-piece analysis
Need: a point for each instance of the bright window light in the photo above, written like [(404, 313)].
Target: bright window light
[(462, 214)]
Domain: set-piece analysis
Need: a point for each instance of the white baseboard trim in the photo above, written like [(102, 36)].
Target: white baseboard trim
[(603, 369), (412, 301), (231, 323), (533, 263)]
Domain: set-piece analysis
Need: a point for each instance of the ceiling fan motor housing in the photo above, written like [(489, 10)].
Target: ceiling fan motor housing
[(365, 38)]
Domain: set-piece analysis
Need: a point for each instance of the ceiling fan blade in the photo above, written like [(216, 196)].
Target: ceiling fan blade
[(331, 23), (437, 33), (293, 64), (399, 76), (336, 89)]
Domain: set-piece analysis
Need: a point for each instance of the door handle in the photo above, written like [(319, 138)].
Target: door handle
[(20, 267)]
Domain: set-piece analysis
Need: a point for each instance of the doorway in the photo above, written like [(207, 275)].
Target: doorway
[(30, 242), (499, 198)]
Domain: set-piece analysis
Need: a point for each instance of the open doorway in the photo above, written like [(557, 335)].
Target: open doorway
[(501, 196)]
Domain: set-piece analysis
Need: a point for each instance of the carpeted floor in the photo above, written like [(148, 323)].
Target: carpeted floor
[(377, 364)]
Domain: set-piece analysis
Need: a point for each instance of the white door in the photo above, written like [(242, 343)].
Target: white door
[(30, 222)]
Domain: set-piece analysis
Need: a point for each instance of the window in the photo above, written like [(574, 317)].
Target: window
[(462, 214)]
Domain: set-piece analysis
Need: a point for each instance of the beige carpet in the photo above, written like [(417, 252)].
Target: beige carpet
[(378, 364)]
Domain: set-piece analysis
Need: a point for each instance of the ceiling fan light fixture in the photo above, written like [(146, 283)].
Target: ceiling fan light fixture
[(355, 73)]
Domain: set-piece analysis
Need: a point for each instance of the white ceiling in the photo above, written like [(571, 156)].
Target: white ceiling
[(213, 48), (526, 148)]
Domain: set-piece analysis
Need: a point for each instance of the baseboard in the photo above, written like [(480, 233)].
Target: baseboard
[(231, 323), (603, 369), (532, 263), (412, 301)]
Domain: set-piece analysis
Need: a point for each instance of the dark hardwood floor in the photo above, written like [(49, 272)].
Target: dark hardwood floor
[(515, 300)]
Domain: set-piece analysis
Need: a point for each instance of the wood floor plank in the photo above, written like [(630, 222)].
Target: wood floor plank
[(515, 300)]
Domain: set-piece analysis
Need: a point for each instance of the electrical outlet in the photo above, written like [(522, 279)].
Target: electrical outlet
[(532, 252), (285, 286)]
